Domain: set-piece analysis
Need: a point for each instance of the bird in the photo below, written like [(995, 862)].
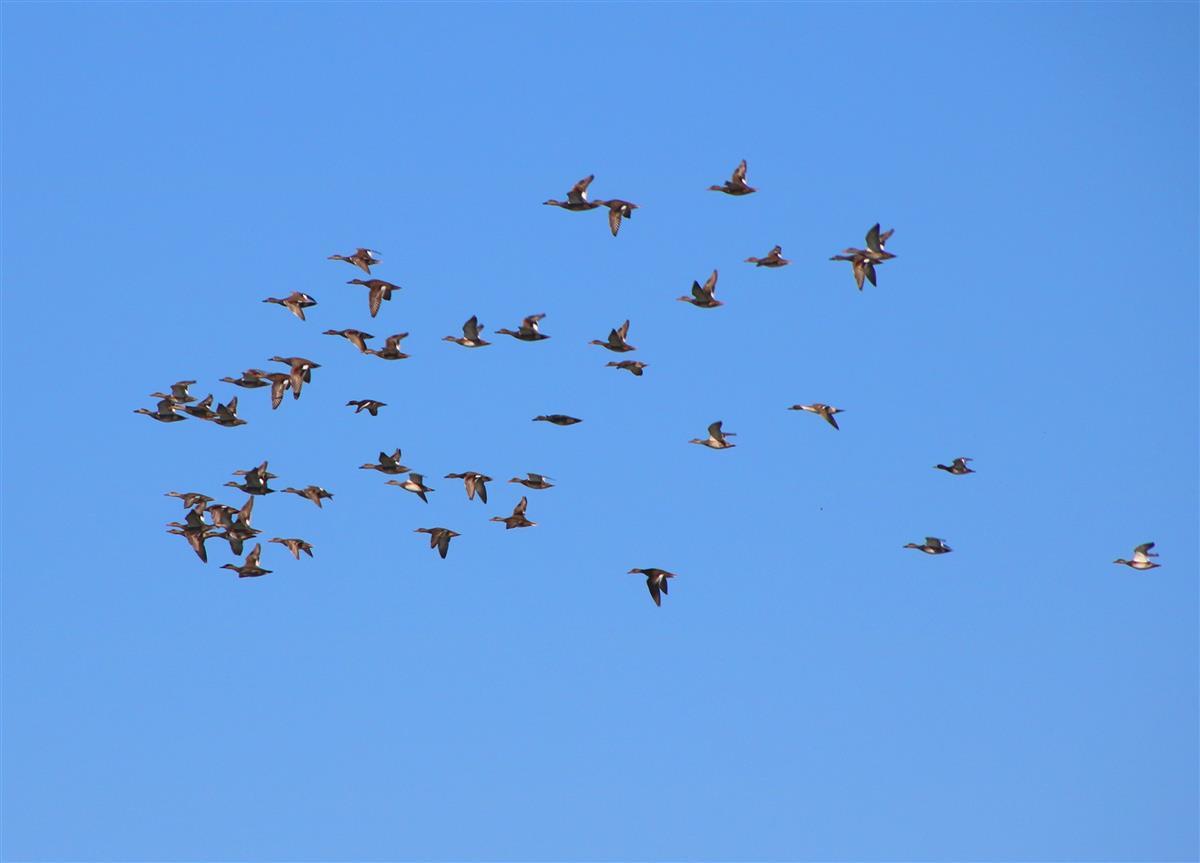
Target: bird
[(863, 261), (470, 337), (364, 259), (704, 296), (255, 481), (474, 482), (932, 545), (249, 567), (557, 419), (195, 531), (716, 438), (238, 528), (369, 405), (439, 538), (735, 185), (528, 331), (191, 499), (656, 582), (1141, 557), (295, 302), (862, 266), (311, 492), (958, 467), (301, 371), (295, 546), (222, 515), (377, 291), (517, 519), (534, 481), (827, 411), (617, 210), (179, 392), (387, 463), (391, 348), (415, 483), (773, 258), (250, 379), (577, 197), (201, 410), (355, 337), (616, 340), (227, 414), (876, 242), (164, 412), (280, 383), (634, 367)]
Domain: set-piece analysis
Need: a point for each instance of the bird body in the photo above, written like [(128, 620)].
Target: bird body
[(1141, 558), (822, 410), (932, 545), (716, 437)]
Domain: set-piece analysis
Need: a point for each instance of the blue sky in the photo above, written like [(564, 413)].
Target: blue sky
[(809, 690)]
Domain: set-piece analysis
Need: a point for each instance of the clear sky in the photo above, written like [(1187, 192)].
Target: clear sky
[(809, 689)]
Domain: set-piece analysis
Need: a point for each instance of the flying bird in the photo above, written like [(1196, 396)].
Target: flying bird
[(249, 567), (1141, 557), (958, 467), (311, 492), (656, 582), (528, 331), (716, 438), (470, 337), (377, 291), (355, 337), (932, 545), (826, 411), (634, 367), (557, 419), (369, 405), (295, 302), (387, 464), (616, 340), (577, 197), (772, 259), (364, 259), (617, 210), (704, 296), (517, 519), (295, 546), (735, 185), (534, 481), (439, 538), (474, 482), (415, 483)]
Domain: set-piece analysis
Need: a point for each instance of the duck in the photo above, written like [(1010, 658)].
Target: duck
[(295, 302), (470, 337), (557, 419), (826, 411), (863, 261), (634, 367), (772, 259), (179, 392), (377, 291), (311, 492), (517, 519), (201, 410), (387, 464), (255, 480), (576, 198), (238, 529), (301, 372), (534, 481), (227, 415), (616, 340), (958, 467), (617, 210), (876, 242), (364, 259), (439, 538), (195, 531), (735, 185), (415, 483), (295, 546), (716, 438), (251, 379), (249, 567), (391, 348), (704, 297), (222, 515), (355, 337), (164, 412), (474, 482), (932, 545), (656, 582), (862, 267), (1141, 558), (191, 499), (528, 331), (369, 405), (280, 383)]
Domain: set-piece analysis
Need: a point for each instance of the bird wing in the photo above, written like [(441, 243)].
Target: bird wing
[(578, 193), (471, 329), (614, 219), (873, 239), (714, 431), (739, 174), (519, 509)]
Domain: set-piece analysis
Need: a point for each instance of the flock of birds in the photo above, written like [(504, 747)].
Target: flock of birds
[(207, 519)]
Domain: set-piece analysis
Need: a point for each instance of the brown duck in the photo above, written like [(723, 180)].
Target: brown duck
[(716, 438), (528, 331), (202, 410), (364, 259), (191, 499), (704, 296), (369, 405), (249, 568), (415, 483), (311, 492), (656, 582), (195, 531), (255, 480), (826, 411), (164, 412), (932, 545), (634, 367), (470, 337), (773, 258), (1141, 558), (301, 372), (439, 538), (295, 546), (377, 291), (474, 482), (617, 210), (280, 383), (534, 481), (355, 337), (616, 340), (517, 519), (577, 197), (387, 464), (958, 467), (735, 185), (557, 419), (391, 348), (227, 415), (251, 379), (295, 302)]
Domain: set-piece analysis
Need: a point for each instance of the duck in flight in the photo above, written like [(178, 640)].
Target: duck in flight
[(295, 546), (517, 519), (470, 337), (656, 582), (616, 340), (634, 367), (528, 331), (377, 291), (364, 259), (439, 538), (311, 492), (369, 405), (415, 483), (958, 467), (704, 296), (617, 210), (826, 411), (295, 302), (534, 480), (735, 185), (576, 198), (474, 482), (932, 545), (716, 437), (249, 568), (773, 258), (387, 464), (1141, 558), (355, 337)]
